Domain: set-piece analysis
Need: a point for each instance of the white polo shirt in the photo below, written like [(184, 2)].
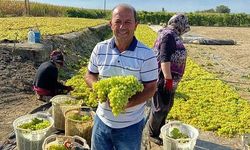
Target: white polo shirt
[(137, 60)]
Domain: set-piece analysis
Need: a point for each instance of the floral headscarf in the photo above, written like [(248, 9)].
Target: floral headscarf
[(179, 23)]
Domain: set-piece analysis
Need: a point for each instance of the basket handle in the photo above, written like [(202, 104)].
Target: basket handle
[(80, 140), (50, 138)]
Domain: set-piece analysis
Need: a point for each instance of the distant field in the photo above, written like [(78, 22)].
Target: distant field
[(16, 28)]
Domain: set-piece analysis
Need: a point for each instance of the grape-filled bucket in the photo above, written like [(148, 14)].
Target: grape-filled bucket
[(182, 143), (246, 141), (60, 104), (29, 139), (54, 142), (79, 122)]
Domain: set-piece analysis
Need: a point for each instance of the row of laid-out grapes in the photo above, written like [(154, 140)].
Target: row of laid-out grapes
[(16, 28), (204, 101)]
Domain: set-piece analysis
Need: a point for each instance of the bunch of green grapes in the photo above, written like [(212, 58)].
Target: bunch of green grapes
[(72, 102), (81, 90), (177, 134), (57, 147), (79, 117), (117, 89), (35, 124)]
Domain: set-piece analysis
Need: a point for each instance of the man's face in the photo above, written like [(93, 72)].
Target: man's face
[(123, 24)]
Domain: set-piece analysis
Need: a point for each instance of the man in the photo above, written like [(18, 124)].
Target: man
[(123, 54), (46, 82)]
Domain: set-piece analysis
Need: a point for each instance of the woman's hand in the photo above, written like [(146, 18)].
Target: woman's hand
[(168, 84)]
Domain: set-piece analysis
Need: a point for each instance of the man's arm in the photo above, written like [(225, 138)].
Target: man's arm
[(90, 78), (146, 94)]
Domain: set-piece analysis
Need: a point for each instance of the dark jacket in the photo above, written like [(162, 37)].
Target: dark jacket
[(46, 77)]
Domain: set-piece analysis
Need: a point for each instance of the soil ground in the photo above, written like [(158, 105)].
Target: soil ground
[(230, 63)]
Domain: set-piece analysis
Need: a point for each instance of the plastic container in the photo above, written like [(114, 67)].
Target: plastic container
[(34, 36), (179, 144), (31, 140), (77, 127), (31, 36), (59, 107), (76, 141), (246, 141)]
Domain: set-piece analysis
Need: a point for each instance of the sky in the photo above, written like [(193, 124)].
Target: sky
[(236, 6)]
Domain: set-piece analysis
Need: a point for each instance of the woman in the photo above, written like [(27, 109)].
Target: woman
[(171, 56)]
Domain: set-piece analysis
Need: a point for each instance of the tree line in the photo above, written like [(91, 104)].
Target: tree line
[(220, 16)]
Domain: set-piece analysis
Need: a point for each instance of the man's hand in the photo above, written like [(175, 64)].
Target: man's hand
[(168, 85)]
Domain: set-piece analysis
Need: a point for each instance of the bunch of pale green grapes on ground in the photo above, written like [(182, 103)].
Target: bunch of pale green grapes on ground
[(81, 90), (117, 90)]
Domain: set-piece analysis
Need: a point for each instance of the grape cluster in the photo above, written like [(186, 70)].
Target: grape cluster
[(177, 134), (118, 89), (79, 117), (81, 90), (35, 124), (57, 147)]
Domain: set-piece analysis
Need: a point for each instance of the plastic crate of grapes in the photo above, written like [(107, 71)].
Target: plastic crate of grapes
[(179, 136), (32, 129)]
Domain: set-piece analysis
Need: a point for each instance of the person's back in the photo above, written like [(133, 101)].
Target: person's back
[(46, 76)]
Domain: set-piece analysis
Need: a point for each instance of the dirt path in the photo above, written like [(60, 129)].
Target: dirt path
[(16, 98)]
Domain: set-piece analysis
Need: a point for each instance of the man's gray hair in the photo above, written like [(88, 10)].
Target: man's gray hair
[(128, 7)]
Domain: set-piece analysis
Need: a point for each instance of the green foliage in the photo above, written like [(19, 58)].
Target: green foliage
[(222, 9), (206, 11), (198, 19), (85, 13)]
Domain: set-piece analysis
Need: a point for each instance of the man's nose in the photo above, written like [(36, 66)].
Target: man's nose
[(122, 25)]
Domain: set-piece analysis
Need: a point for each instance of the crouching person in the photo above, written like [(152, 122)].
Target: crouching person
[(46, 84)]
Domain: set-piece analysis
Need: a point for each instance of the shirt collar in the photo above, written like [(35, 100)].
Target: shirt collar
[(131, 47)]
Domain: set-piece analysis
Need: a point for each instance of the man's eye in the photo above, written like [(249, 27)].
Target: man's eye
[(117, 21)]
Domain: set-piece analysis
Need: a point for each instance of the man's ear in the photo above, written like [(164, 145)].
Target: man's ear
[(110, 23), (136, 24)]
